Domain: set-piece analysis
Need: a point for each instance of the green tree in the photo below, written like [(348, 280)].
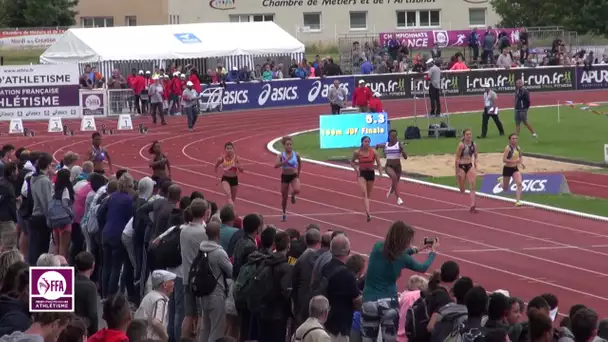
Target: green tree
[(582, 16), (38, 13)]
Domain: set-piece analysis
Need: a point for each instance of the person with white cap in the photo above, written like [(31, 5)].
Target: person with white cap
[(155, 91), (490, 110), (434, 78), (361, 97), (154, 307), (375, 105), (190, 100)]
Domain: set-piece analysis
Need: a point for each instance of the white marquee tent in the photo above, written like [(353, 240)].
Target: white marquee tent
[(165, 42)]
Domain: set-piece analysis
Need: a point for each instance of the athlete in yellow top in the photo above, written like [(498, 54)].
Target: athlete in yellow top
[(513, 158), (230, 168)]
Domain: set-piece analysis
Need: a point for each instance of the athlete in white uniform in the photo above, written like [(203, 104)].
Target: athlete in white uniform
[(393, 151)]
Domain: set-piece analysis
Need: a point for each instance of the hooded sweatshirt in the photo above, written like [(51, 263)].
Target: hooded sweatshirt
[(109, 335), (280, 306), (42, 192), (18, 336), (15, 315), (452, 315), (220, 266)]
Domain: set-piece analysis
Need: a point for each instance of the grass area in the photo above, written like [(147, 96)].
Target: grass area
[(589, 205), (580, 135), (21, 57)]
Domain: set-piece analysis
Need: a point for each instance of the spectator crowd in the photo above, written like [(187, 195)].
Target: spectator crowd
[(155, 264)]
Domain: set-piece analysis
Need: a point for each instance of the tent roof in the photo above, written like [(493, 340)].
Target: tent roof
[(203, 40)]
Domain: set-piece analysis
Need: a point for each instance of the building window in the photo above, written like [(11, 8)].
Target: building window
[(312, 21), (413, 19), (130, 20), (244, 18), (173, 19), (96, 22), (358, 21), (477, 17)]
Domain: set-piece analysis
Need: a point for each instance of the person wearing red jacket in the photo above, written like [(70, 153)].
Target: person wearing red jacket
[(130, 80), (138, 84), (361, 97), (175, 91), (375, 105), (195, 81)]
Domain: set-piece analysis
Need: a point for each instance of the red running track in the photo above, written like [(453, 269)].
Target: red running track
[(588, 184), (524, 250)]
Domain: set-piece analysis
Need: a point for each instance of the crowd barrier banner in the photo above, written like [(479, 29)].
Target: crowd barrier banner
[(280, 93), (443, 38), (34, 92), (596, 78), (93, 102), (548, 183)]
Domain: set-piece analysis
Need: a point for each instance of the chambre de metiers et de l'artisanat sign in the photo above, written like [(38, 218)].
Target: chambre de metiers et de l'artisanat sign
[(291, 3)]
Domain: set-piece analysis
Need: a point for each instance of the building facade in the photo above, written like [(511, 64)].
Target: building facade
[(311, 21)]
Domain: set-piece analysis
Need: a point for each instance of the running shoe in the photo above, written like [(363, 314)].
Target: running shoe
[(473, 210), (369, 217), (283, 218), (518, 204), (399, 201), (293, 198)]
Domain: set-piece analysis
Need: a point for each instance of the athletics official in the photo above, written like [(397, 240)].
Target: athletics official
[(522, 104), (490, 110), (434, 77)]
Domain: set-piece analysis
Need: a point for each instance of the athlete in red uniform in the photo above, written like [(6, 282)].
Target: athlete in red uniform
[(230, 168), (364, 161)]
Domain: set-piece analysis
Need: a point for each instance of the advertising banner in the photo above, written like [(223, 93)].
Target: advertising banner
[(93, 102), (281, 93), (596, 78), (503, 81), (390, 86), (34, 38), (443, 38), (34, 92), (548, 183)]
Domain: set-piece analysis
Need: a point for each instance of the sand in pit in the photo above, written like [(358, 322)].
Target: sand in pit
[(443, 165)]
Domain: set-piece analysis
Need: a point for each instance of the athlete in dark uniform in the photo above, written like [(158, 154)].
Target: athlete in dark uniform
[(161, 168), (466, 165), (513, 158), (364, 161), (393, 151), (230, 168), (98, 155), (291, 164)]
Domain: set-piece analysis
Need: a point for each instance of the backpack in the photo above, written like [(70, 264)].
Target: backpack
[(465, 334), (27, 204), (452, 317), (167, 252), (244, 287), (416, 320), (59, 214), (201, 280), (92, 225)]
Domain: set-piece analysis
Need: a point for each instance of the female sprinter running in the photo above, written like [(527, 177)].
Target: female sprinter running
[(393, 150), (363, 162), (466, 165), (512, 157), (291, 164), (160, 163), (98, 154), (230, 167)]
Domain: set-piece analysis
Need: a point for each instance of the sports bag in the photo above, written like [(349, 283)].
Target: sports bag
[(59, 214), (201, 280)]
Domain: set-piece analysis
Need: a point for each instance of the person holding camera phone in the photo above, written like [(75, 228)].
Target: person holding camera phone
[(380, 307)]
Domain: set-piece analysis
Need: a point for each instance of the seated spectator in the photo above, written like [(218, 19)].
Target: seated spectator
[(452, 314), (154, 306), (459, 65), (8, 258), (415, 285), (47, 326), (117, 314), (14, 299), (504, 60), (515, 310), (76, 330), (48, 260), (85, 291), (312, 329), (366, 66)]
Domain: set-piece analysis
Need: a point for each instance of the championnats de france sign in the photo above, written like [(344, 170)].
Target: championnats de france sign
[(34, 92)]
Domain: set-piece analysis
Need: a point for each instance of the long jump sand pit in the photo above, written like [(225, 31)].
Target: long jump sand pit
[(442, 165)]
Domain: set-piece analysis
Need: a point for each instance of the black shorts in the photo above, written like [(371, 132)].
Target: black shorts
[(508, 171), (368, 175), (396, 168), (101, 172), (465, 167), (287, 179), (232, 181)]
